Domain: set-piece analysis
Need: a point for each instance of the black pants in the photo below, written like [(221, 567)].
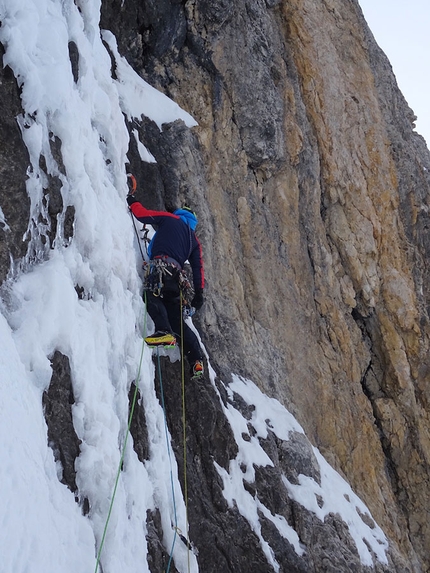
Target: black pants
[(165, 311)]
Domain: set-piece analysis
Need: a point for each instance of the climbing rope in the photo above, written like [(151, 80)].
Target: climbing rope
[(137, 235), (130, 417), (175, 527), (170, 461), (120, 465), (184, 429)]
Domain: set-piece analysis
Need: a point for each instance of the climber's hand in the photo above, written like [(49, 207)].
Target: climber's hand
[(198, 299), (131, 199)]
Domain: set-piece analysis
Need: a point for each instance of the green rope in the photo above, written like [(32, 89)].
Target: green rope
[(133, 404)]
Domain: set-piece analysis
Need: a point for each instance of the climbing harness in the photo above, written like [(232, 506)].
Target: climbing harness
[(155, 272), (187, 291)]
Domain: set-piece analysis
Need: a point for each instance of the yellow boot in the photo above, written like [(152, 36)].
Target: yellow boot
[(161, 339)]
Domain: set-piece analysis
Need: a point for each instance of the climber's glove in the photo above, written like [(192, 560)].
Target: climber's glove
[(131, 199), (198, 300)]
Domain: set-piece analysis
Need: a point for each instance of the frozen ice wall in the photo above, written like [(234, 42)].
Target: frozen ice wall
[(43, 528)]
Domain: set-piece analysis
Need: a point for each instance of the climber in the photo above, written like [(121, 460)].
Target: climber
[(173, 244)]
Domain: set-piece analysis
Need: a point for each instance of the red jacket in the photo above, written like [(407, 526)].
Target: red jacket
[(174, 238)]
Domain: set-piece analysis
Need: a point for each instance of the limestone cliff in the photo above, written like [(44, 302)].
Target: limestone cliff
[(312, 190)]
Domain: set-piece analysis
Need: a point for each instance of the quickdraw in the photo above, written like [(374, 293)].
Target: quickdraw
[(153, 276), (144, 238), (187, 289)]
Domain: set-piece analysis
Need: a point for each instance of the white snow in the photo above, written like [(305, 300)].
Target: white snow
[(338, 498), (40, 523), (133, 90), (3, 223), (144, 154), (335, 495), (42, 527)]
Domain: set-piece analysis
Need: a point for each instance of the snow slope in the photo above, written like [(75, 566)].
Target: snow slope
[(42, 528)]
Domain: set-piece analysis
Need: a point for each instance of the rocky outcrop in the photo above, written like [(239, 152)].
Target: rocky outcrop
[(58, 400), (312, 191), (220, 534), (18, 222), (13, 167)]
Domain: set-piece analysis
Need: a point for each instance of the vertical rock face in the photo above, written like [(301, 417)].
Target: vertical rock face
[(312, 190), (57, 404), (13, 167)]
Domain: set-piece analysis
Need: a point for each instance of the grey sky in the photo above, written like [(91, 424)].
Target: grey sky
[(402, 30)]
